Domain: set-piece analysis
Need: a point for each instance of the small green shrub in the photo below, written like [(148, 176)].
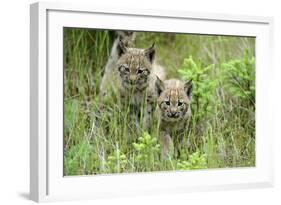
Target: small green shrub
[(147, 152), (117, 162), (204, 87), (195, 161), (239, 75)]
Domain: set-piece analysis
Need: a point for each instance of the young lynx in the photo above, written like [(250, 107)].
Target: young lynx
[(174, 98), (133, 77), (128, 38)]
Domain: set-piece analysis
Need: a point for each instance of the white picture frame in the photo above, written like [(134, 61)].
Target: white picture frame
[(47, 182)]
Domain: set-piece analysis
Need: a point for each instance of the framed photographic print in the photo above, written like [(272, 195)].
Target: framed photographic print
[(127, 102)]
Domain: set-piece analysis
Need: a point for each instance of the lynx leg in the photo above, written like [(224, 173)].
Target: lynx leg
[(166, 144), (147, 118)]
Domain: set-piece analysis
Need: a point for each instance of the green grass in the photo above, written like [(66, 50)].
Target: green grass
[(105, 137)]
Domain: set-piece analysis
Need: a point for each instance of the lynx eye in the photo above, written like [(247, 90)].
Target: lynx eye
[(180, 103), (140, 71), (124, 68), (167, 102)]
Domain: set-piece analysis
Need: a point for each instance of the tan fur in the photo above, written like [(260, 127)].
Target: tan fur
[(133, 77), (174, 98), (128, 39)]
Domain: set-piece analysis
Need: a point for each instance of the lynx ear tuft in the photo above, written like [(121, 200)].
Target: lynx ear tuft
[(159, 86), (150, 53), (188, 86), (121, 48)]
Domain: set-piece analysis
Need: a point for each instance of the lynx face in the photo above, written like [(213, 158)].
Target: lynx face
[(134, 66), (174, 99)]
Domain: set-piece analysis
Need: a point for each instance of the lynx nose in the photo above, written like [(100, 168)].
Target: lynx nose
[(173, 114), (133, 78)]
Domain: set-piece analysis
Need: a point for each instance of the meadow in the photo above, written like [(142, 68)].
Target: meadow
[(102, 137)]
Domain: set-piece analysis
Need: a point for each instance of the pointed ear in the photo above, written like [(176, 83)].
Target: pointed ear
[(150, 53), (188, 89), (121, 48), (159, 86)]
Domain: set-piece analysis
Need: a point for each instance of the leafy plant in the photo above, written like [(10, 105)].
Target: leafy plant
[(117, 162), (147, 151), (195, 161), (204, 86), (240, 78)]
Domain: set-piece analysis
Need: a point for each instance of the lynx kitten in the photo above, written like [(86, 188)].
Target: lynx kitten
[(133, 77), (174, 98), (128, 38)]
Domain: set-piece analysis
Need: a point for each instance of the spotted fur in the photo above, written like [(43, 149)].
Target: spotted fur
[(128, 38), (174, 98), (133, 77)]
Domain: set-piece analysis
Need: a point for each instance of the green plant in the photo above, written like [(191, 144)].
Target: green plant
[(240, 77), (195, 161), (116, 162), (147, 152), (203, 95), (80, 159), (85, 54)]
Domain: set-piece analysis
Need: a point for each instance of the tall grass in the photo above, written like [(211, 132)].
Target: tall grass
[(107, 138)]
